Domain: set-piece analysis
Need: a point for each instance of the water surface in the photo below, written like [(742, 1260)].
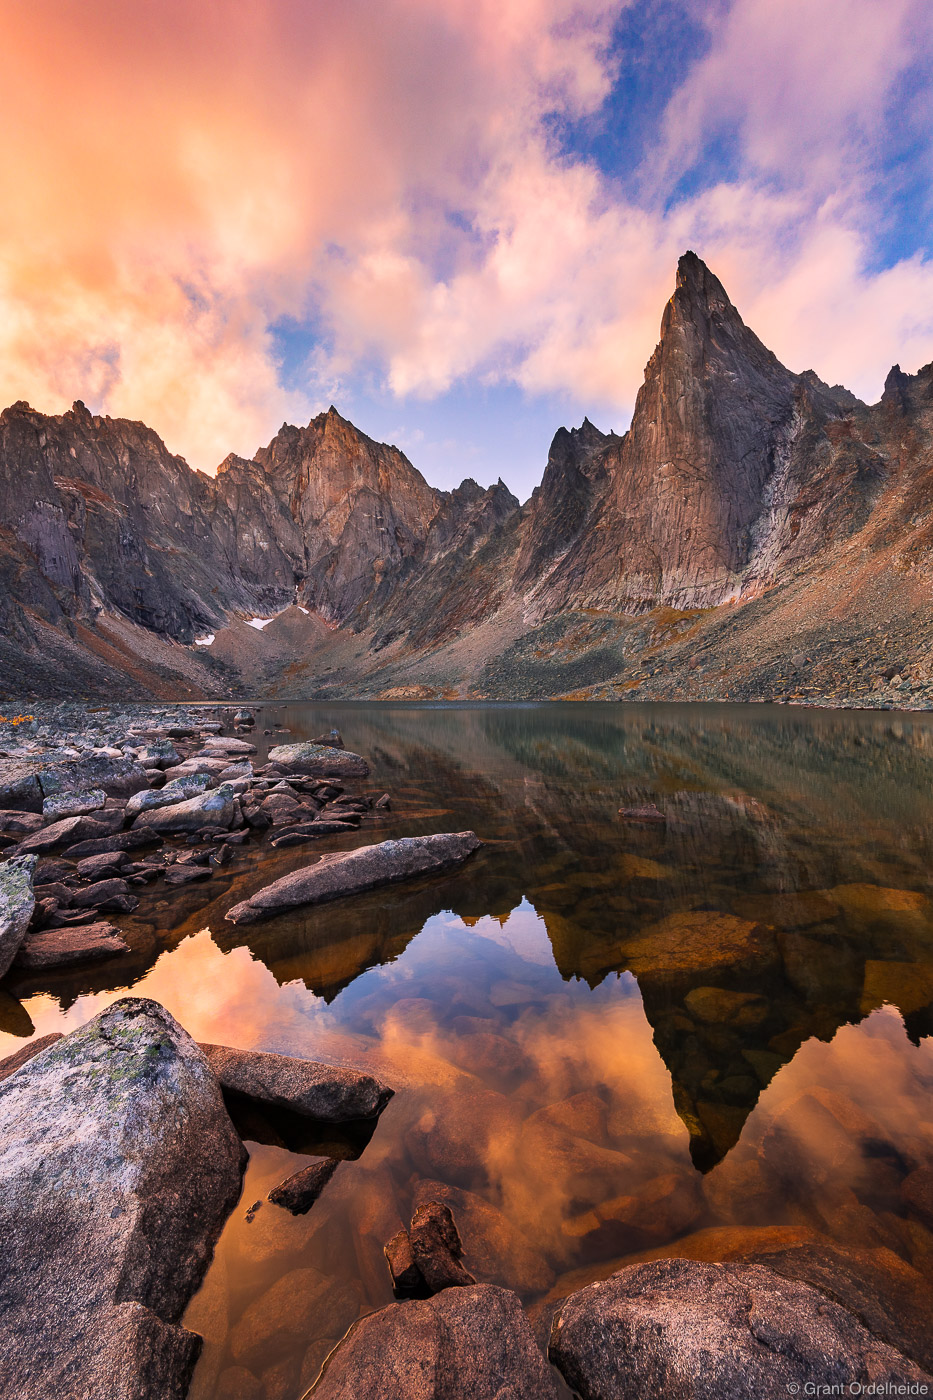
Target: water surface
[(606, 1034)]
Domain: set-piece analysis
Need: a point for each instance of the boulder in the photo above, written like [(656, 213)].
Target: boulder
[(715, 1332), (499, 1252), (298, 1192), (73, 804), (217, 745), (178, 790), (17, 901), (19, 786), (100, 895), (352, 872), (101, 866), (71, 830), (64, 947), (464, 1344), (21, 823), (319, 760), (330, 1093), (214, 808), (120, 841), (118, 1167), (21, 1057), (118, 777), (436, 1248)]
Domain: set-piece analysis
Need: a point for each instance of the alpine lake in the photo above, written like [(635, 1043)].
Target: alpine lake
[(697, 1029)]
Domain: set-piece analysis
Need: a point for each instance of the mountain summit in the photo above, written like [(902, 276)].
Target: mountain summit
[(739, 481)]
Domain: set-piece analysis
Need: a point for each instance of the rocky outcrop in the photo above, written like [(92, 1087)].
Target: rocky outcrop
[(329, 1093), (335, 876), (118, 1167), (722, 1331), (464, 1344)]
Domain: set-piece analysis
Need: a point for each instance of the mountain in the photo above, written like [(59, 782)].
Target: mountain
[(755, 533)]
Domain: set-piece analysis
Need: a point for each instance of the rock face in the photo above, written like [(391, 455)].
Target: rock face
[(119, 1165), (465, 1344), (17, 902), (327, 1092), (334, 876), (715, 1332)]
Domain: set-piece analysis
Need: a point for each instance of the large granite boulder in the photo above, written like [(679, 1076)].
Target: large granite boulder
[(464, 1344), (214, 808), (330, 1093), (353, 872), (17, 901), (219, 745), (716, 1332), (73, 804), (118, 1167), (319, 761)]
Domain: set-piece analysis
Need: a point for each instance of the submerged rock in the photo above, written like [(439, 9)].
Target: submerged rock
[(297, 1193), (715, 1332), (319, 760), (464, 1344), (436, 1248), (330, 1093), (214, 808), (17, 901), (353, 872), (118, 1167), (63, 947)]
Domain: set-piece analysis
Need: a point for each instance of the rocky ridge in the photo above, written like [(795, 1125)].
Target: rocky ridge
[(756, 534)]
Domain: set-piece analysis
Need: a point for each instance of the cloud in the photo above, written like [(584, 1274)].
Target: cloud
[(185, 176)]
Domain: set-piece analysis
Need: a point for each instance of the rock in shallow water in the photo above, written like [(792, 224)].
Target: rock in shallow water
[(436, 1247), (64, 947), (298, 1192), (715, 1332), (214, 808), (353, 872), (327, 1092), (118, 1167), (464, 1344), (319, 760)]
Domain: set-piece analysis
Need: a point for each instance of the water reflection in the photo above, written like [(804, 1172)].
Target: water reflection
[(607, 1035)]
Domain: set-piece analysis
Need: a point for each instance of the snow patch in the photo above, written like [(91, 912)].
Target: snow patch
[(204, 641), (260, 622)]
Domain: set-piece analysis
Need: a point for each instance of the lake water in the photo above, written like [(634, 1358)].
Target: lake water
[(606, 1034)]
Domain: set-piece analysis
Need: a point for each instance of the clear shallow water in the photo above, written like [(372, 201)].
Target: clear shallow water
[(605, 1035)]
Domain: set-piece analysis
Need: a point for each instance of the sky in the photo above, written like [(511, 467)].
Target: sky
[(457, 220)]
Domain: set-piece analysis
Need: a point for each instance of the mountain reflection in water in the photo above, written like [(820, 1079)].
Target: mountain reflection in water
[(606, 1034)]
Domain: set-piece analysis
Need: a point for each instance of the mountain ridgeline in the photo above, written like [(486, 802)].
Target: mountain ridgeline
[(755, 533)]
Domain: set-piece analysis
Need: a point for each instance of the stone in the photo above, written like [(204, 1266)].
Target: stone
[(244, 717), (715, 1332), (214, 808), (101, 866), (649, 814), (218, 745), (186, 874), (464, 1344), (330, 1093), (100, 895), (21, 823), (436, 1247), (17, 902), (319, 760), (21, 1057), (118, 1167), (66, 947), (499, 1251), (178, 790), (406, 1276), (298, 1192), (352, 872), (76, 804), (121, 841)]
